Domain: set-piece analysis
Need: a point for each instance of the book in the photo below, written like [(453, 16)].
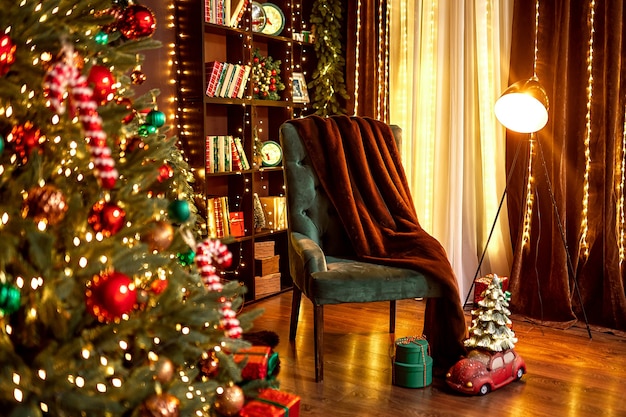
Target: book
[(232, 85), (242, 154), (227, 79), (237, 165), (244, 81), (238, 8), (213, 71), (209, 163), (236, 224)]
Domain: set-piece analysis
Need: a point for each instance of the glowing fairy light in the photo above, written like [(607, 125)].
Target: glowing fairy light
[(584, 226), (621, 221), (358, 48), (528, 214)]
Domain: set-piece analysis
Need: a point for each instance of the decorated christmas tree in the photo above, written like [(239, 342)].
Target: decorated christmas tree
[(111, 304), (491, 326)]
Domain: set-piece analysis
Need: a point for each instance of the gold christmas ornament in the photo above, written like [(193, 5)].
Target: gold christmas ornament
[(45, 204), (160, 405), (164, 370), (229, 400), (160, 236)]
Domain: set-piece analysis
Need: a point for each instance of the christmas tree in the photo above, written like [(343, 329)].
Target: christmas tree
[(111, 304), (491, 326)]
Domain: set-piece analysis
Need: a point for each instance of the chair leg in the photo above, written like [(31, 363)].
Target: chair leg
[(392, 316), (318, 334), (295, 312)]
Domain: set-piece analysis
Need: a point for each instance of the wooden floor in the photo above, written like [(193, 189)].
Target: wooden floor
[(569, 374)]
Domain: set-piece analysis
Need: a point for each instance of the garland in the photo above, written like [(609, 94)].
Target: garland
[(328, 82)]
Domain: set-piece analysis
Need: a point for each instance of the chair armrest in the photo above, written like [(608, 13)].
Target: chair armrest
[(305, 256)]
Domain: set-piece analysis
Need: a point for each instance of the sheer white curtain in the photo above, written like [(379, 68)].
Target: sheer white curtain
[(448, 64)]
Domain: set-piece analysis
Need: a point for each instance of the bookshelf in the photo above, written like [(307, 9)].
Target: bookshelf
[(208, 122)]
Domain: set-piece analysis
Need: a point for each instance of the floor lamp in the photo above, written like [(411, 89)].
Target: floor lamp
[(523, 107)]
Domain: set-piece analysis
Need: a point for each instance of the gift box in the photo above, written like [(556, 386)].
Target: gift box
[(258, 358), (412, 364), (262, 363), (272, 403), (481, 284)]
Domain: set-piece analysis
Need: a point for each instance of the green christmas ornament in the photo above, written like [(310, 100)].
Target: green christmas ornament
[(9, 298), (155, 118), (147, 129), (186, 258), (179, 211), (102, 38)]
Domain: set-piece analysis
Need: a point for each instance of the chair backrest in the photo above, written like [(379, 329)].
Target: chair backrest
[(309, 209)]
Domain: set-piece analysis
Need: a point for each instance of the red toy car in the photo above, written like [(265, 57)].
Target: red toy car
[(482, 372)]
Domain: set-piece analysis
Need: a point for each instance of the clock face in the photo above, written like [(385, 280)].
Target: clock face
[(258, 17), (271, 153), (274, 19)]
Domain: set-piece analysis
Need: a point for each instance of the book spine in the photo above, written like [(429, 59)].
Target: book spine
[(214, 70), (242, 154), (244, 81), (235, 155), (219, 222)]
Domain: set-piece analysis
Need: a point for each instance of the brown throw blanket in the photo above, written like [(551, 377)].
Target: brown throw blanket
[(364, 178)]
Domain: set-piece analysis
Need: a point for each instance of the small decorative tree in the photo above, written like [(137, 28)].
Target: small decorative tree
[(491, 326)]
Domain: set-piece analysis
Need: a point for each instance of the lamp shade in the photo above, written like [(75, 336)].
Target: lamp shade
[(523, 107)]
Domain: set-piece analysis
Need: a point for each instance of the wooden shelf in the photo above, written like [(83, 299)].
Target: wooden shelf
[(201, 116)]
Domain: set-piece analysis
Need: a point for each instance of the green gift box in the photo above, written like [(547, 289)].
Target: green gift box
[(411, 350), (412, 365)]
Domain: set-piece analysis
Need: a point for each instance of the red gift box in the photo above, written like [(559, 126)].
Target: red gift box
[(256, 367), (482, 283), (272, 403)]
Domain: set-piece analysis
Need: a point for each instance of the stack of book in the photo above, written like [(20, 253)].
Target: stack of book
[(221, 221), (226, 80), (225, 12), (225, 153)]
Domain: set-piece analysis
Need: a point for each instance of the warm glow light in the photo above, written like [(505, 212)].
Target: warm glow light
[(523, 107)]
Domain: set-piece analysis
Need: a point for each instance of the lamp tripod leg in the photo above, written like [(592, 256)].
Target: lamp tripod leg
[(570, 264), (495, 221)]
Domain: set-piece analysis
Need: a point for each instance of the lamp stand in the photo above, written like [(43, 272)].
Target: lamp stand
[(570, 265)]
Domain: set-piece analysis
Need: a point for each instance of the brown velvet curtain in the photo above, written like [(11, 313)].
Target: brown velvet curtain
[(371, 43), (543, 286)]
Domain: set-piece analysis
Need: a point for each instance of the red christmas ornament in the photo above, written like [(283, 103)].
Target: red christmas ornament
[(137, 22), (25, 138), (7, 54), (116, 12), (110, 296), (107, 218), (165, 172), (101, 80)]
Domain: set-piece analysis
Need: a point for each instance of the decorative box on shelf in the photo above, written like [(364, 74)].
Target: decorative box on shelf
[(272, 403), (412, 364), (266, 284), (269, 265), (264, 249), (275, 211)]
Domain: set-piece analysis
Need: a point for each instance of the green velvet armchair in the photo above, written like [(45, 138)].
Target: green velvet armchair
[(321, 259)]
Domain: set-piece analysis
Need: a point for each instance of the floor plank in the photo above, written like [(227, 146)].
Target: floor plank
[(569, 374)]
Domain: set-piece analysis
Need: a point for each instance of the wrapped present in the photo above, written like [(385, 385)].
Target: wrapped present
[(272, 403), (257, 360), (481, 284), (412, 364), (262, 362)]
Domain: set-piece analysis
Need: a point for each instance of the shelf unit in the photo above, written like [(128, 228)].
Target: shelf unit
[(200, 116)]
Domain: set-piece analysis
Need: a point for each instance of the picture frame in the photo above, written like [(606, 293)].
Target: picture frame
[(300, 92)]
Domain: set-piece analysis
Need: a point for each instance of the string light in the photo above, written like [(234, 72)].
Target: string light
[(356, 67), (584, 226), (621, 221)]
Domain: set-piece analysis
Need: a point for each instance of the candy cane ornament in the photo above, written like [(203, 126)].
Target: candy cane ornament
[(208, 252), (63, 79)]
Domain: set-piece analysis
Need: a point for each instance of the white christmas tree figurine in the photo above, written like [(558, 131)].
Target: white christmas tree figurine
[(491, 326)]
